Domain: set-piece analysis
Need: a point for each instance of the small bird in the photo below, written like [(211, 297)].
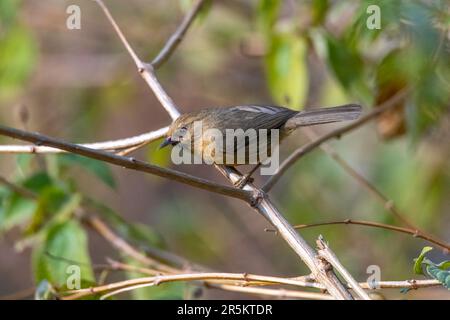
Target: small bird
[(241, 119)]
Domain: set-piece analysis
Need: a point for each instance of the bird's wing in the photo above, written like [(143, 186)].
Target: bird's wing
[(258, 117)]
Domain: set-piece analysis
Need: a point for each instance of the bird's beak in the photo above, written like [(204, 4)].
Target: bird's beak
[(166, 142)]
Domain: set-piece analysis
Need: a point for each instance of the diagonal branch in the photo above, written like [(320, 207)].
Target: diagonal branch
[(145, 69), (176, 38), (326, 253)]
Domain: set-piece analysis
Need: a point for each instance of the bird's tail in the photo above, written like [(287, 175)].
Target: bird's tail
[(324, 115)]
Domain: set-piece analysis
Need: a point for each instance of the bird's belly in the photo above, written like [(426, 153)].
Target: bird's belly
[(232, 154)]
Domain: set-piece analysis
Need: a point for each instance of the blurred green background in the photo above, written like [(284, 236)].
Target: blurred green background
[(80, 85)]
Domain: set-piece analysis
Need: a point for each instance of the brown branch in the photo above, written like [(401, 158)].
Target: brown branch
[(176, 38), (412, 232), (127, 162), (300, 152), (158, 279)]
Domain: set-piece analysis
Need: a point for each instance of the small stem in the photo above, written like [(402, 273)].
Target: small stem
[(176, 38)]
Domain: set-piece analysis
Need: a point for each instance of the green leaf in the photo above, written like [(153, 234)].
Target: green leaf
[(443, 276), (435, 271), (348, 67), (64, 245), (8, 13), (38, 182), (17, 57), (141, 234), (418, 261), (96, 167), (319, 9), (53, 206), (444, 265), (287, 71), (267, 14), (23, 162), (155, 155), (17, 209)]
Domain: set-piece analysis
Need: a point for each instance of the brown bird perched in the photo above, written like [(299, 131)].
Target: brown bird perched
[(205, 134)]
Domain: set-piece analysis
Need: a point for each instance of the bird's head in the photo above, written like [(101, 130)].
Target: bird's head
[(180, 130)]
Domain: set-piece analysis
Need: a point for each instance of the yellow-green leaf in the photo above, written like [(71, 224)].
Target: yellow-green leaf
[(286, 69)]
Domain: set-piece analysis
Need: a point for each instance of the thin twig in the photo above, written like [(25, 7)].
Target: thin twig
[(158, 279), (300, 152), (106, 145), (176, 38), (145, 69), (412, 232), (278, 293)]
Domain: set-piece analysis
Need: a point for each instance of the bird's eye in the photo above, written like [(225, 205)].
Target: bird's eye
[(180, 133)]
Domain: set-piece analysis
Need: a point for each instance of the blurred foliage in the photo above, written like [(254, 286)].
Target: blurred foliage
[(18, 51), (425, 266), (312, 52)]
